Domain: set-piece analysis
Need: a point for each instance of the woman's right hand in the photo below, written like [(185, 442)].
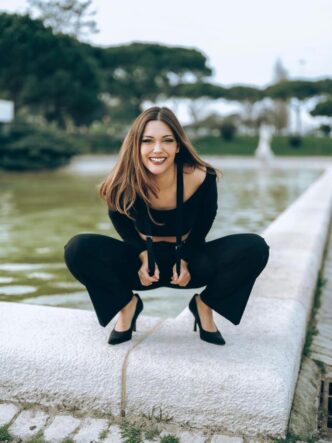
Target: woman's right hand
[(143, 272)]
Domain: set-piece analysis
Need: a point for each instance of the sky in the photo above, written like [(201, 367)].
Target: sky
[(241, 39)]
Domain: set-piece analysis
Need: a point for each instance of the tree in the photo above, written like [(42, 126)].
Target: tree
[(324, 109), (199, 94), (47, 74), (248, 96), (139, 72), (70, 17), (300, 90)]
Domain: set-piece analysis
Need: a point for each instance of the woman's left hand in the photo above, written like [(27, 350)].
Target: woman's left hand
[(184, 277)]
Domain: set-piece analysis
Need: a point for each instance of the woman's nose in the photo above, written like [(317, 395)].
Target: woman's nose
[(157, 147)]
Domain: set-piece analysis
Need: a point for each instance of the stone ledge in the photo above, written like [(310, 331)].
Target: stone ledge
[(60, 357)]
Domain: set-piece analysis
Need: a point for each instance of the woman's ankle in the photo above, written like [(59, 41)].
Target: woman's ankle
[(130, 305), (203, 305)]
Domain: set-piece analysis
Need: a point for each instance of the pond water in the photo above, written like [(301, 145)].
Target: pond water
[(39, 212)]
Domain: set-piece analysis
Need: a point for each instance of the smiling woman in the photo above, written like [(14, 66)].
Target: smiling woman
[(162, 200)]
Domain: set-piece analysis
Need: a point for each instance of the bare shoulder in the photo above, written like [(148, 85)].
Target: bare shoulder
[(194, 177)]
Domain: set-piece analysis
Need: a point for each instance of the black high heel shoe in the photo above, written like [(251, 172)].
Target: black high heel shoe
[(211, 337), (117, 337)]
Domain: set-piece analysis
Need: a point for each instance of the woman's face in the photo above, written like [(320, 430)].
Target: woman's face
[(158, 147)]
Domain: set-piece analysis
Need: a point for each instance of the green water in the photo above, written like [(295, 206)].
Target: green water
[(39, 212)]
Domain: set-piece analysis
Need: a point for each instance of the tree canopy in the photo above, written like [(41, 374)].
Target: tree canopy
[(50, 74), (71, 82)]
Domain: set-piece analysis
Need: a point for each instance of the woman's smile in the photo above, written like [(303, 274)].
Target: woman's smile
[(157, 160)]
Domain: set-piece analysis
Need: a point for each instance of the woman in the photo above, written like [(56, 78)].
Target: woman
[(162, 200)]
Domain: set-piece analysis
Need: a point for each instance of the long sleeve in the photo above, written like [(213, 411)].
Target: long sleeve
[(126, 229), (205, 216)]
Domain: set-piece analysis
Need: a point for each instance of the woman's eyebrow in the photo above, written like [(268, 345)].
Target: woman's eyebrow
[(150, 136)]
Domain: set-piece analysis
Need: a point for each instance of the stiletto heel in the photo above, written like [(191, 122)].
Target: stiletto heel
[(210, 337), (117, 337)]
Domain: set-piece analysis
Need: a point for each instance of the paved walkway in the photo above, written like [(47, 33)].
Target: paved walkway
[(63, 427)]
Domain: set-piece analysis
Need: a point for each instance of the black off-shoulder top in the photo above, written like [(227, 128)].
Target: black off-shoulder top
[(199, 212)]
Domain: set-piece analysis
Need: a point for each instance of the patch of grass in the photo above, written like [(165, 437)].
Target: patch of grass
[(152, 433), (290, 438), (157, 415), (310, 146), (169, 439), (5, 434), (131, 432), (246, 145), (139, 431), (68, 440), (321, 366), (312, 329), (103, 434), (37, 438), (240, 145)]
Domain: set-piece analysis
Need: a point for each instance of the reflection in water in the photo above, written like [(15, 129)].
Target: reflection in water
[(40, 212)]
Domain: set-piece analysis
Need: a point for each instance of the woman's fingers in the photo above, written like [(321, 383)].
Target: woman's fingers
[(182, 279), (144, 276)]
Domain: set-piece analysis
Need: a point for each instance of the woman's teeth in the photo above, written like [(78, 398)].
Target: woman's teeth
[(157, 160)]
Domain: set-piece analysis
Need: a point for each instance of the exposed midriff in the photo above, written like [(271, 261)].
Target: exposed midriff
[(170, 239)]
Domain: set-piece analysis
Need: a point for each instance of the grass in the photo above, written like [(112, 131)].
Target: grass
[(142, 431), (240, 145), (310, 146), (5, 434), (102, 435), (37, 438), (131, 433), (157, 415), (294, 438), (312, 329), (246, 145), (152, 433), (169, 439)]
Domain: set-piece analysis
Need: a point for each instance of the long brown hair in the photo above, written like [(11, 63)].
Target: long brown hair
[(129, 177)]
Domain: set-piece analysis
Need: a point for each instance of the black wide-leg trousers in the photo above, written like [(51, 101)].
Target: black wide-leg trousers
[(108, 268)]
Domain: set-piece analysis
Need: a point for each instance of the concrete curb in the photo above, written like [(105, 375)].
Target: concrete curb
[(60, 357)]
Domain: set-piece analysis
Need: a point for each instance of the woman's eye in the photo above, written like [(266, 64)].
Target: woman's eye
[(149, 141)]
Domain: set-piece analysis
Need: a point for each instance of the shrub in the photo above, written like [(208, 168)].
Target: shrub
[(28, 148), (325, 129), (227, 130), (295, 141)]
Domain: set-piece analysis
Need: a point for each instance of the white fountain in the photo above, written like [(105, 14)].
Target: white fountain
[(263, 150), (6, 111)]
